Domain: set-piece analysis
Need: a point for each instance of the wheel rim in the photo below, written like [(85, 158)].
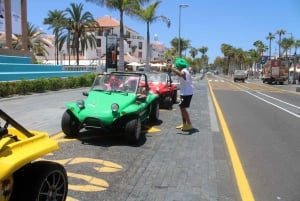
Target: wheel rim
[(53, 187)]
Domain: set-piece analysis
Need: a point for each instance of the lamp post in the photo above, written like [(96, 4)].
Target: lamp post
[(68, 45), (294, 77), (180, 6)]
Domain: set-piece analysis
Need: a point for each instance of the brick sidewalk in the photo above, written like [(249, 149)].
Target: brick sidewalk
[(186, 166)]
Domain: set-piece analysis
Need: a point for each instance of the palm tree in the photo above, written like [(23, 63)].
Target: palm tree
[(82, 24), (184, 44), (148, 16), (280, 32), (286, 44), (36, 43), (193, 52), (204, 58), (261, 48), (270, 37), (55, 19), (123, 6), (227, 50)]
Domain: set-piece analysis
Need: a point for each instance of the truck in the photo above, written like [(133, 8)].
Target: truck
[(239, 75), (275, 72)]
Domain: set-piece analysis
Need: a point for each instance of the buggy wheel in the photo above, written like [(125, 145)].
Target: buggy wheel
[(69, 124), (174, 97), (133, 130), (154, 113), (42, 180), (168, 102)]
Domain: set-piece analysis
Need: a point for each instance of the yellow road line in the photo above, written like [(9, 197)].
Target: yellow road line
[(240, 176)]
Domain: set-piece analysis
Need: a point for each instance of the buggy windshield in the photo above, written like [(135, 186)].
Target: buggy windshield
[(116, 83)]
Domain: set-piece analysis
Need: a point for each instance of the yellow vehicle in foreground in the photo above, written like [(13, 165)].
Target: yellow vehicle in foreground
[(22, 175)]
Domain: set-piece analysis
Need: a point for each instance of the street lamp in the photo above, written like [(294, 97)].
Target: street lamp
[(180, 6)]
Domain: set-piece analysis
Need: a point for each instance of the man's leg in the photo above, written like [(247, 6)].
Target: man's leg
[(188, 125)]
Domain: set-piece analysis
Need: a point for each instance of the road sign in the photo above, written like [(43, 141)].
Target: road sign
[(263, 60)]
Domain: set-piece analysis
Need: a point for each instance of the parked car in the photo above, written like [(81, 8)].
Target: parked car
[(239, 75), (161, 83), (118, 106), (22, 177)]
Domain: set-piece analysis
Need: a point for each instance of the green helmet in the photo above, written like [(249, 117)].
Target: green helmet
[(181, 63)]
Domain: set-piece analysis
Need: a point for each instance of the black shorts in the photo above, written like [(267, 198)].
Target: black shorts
[(185, 101)]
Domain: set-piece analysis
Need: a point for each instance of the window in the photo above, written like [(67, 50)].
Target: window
[(140, 45), (98, 41)]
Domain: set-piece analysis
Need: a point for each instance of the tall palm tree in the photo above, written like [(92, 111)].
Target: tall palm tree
[(54, 19), (123, 6), (280, 32), (82, 24), (148, 16), (270, 37)]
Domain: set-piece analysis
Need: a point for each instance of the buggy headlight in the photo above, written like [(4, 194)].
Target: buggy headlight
[(80, 104), (114, 107)]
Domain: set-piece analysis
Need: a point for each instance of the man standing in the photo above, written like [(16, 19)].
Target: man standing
[(186, 91)]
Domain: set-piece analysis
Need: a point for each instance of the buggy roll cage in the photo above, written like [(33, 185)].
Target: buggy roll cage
[(10, 121)]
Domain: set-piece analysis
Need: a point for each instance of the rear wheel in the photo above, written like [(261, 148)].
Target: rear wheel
[(69, 124), (42, 180), (168, 102), (133, 130)]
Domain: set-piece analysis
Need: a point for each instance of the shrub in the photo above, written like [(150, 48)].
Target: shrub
[(23, 87), (70, 82), (39, 85), (4, 89), (55, 83)]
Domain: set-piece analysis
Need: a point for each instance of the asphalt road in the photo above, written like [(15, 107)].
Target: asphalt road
[(264, 122)]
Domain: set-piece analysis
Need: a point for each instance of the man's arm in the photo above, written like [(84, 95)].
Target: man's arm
[(176, 71)]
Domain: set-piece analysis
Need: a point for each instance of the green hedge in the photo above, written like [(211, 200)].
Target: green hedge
[(41, 85)]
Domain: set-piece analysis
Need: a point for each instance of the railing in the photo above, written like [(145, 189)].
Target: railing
[(82, 68)]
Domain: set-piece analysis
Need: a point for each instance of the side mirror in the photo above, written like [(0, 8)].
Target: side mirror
[(85, 93)]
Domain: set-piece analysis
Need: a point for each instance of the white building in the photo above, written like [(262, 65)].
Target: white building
[(134, 47)]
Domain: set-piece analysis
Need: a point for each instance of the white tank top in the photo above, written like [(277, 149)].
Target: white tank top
[(186, 85)]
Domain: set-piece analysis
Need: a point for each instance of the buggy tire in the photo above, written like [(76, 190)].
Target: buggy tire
[(69, 124), (154, 113), (42, 180), (174, 97), (133, 130)]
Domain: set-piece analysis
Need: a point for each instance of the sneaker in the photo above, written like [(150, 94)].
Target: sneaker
[(187, 127), (180, 126)]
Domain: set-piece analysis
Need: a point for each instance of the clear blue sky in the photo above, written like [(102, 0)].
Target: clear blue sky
[(206, 23)]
